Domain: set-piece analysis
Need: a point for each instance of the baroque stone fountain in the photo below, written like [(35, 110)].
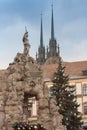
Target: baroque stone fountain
[(23, 95)]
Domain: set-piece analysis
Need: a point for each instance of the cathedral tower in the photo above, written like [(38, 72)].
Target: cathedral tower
[(40, 57), (53, 49)]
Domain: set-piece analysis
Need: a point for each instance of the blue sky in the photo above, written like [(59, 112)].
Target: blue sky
[(70, 24)]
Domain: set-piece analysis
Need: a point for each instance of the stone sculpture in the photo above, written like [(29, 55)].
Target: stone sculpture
[(26, 43)]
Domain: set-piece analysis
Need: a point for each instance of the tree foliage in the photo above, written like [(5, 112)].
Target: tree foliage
[(66, 99)]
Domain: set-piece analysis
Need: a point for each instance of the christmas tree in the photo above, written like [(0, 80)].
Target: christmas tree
[(65, 99)]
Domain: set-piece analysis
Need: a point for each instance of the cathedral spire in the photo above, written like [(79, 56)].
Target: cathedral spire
[(41, 33), (52, 25), (41, 50)]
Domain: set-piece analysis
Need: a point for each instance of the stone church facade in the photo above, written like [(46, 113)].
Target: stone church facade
[(23, 96)]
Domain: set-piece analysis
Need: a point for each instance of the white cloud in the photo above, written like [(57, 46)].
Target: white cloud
[(76, 51), (81, 50), (74, 40), (76, 26)]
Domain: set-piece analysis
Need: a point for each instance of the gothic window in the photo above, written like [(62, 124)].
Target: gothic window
[(85, 90), (85, 109)]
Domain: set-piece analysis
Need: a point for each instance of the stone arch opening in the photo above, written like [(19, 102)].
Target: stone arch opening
[(30, 106)]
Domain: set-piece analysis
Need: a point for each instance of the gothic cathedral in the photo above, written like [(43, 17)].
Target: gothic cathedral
[(52, 50)]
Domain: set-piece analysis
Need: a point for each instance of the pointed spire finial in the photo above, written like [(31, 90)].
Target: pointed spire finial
[(52, 5), (41, 33), (52, 24), (41, 14)]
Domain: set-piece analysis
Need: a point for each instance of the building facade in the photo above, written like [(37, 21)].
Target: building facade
[(80, 86), (77, 72)]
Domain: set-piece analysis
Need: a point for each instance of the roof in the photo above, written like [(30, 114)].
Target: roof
[(2, 72), (73, 69)]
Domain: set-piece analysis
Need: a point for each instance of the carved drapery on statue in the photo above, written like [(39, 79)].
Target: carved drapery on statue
[(26, 43)]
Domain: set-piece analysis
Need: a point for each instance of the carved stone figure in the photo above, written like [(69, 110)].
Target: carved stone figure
[(26, 43)]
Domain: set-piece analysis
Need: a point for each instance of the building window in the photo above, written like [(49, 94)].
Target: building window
[(85, 109), (85, 90), (84, 72)]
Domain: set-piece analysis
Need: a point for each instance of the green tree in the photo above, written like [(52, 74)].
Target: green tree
[(65, 99)]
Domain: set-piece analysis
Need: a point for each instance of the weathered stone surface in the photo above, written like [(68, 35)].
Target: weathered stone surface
[(23, 77), (2, 117), (43, 103)]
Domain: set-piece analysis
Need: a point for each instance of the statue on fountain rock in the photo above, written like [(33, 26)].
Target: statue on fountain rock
[(26, 43)]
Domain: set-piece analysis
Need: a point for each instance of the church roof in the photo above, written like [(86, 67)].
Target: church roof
[(73, 69)]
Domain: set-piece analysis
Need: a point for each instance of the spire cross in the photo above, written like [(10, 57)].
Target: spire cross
[(41, 14), (52, 5)]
